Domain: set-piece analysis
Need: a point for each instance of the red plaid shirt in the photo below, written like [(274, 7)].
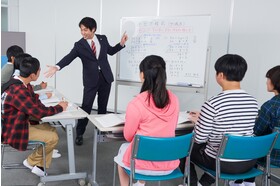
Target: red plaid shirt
[(18, 103)]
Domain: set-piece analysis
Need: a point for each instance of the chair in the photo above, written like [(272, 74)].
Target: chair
[(20, 165), (270, 175), (242, 148), (160, 149), (276, 146)]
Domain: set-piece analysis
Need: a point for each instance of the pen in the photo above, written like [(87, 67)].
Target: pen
[(189, 112)]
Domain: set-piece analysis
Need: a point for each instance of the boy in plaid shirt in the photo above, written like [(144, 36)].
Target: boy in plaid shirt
[(19, 102)]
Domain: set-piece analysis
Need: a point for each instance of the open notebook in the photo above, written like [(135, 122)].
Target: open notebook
[(110, 120)]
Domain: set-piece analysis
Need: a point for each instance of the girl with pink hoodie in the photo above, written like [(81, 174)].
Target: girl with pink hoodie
[(154, 112)]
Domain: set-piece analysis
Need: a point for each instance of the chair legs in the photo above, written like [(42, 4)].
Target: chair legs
[(9, 165), (226, 182), (20, 165), (275, 178), (114, 176)]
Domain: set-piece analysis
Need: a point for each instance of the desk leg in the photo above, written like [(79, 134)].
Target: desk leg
[(94, 155), (71, 153), (71, 161)]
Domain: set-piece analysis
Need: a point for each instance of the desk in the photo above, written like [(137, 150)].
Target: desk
[(68, 120), (99, 137)]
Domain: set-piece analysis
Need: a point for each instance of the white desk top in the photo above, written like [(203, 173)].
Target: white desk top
[(72, 112), (118, 128)]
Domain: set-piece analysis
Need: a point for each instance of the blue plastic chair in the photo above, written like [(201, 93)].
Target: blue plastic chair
[(242, 148), (270, 175), (160, 149), (31, 145), (276, 146)]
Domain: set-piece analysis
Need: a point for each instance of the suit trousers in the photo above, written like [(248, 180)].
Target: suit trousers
[(45, 133), (102, 90)]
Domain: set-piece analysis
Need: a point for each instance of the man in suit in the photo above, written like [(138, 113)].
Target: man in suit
[(92, 49)]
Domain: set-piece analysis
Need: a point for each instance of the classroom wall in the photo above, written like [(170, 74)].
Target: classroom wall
[(248, 27)]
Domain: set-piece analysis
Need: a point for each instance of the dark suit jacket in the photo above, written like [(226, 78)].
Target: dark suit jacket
[(90, 63)]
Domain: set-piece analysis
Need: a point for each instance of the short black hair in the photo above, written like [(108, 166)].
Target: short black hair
[(13, 51), (19, 58), (29, 66), (232, 66), (89, 23), (274, 75)]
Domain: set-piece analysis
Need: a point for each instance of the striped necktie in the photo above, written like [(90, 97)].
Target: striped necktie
[(93, 48)]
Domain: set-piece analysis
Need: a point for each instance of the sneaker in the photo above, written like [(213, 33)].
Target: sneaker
[(37, 171), (56, 155), (231, 183), (249, 183), (26, 164)]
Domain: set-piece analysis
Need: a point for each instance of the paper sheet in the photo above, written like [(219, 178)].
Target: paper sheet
[(110, 120)]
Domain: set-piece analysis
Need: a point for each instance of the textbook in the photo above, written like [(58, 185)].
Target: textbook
[(110, 120), (183, 117)]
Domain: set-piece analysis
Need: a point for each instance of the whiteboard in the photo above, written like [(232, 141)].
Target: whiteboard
[(181, 41)]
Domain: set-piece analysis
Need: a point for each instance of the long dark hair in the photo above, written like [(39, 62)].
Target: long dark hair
[(153, 68)]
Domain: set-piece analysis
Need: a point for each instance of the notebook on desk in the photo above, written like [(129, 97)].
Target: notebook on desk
[(183, 117), (110, 120)]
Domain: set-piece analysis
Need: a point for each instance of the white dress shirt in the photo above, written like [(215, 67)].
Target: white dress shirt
[(97, 45)]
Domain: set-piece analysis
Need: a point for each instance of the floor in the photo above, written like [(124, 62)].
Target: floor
[(83, 154)]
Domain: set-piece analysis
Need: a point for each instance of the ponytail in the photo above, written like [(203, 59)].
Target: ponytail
[(153, 68)]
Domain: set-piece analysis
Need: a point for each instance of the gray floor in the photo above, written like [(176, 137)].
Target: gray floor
[(83, 154)]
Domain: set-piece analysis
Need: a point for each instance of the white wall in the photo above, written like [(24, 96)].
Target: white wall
[(52, 28), (256, 36)]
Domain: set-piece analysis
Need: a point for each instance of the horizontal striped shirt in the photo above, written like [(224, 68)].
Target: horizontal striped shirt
[(230, 112)]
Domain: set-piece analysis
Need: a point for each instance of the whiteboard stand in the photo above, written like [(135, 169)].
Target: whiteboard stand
[(186, 89)]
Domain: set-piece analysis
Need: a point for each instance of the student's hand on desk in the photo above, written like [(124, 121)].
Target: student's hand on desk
[(49, 94), (52, 70), (193, 116), (43, 84), (64, 105)]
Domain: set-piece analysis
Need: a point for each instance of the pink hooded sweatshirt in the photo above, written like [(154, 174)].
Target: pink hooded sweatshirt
[(146, 119)]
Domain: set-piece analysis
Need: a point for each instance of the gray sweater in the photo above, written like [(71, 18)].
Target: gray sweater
[(6, 72)]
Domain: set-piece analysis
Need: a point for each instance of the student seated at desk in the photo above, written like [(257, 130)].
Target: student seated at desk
[(233, 111), (17, 60), (19, 103), (268, 119), (42, 96), (154, 112), (8, 68)]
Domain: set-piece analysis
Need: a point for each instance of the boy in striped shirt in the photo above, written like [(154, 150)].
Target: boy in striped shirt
[(232, 111)]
